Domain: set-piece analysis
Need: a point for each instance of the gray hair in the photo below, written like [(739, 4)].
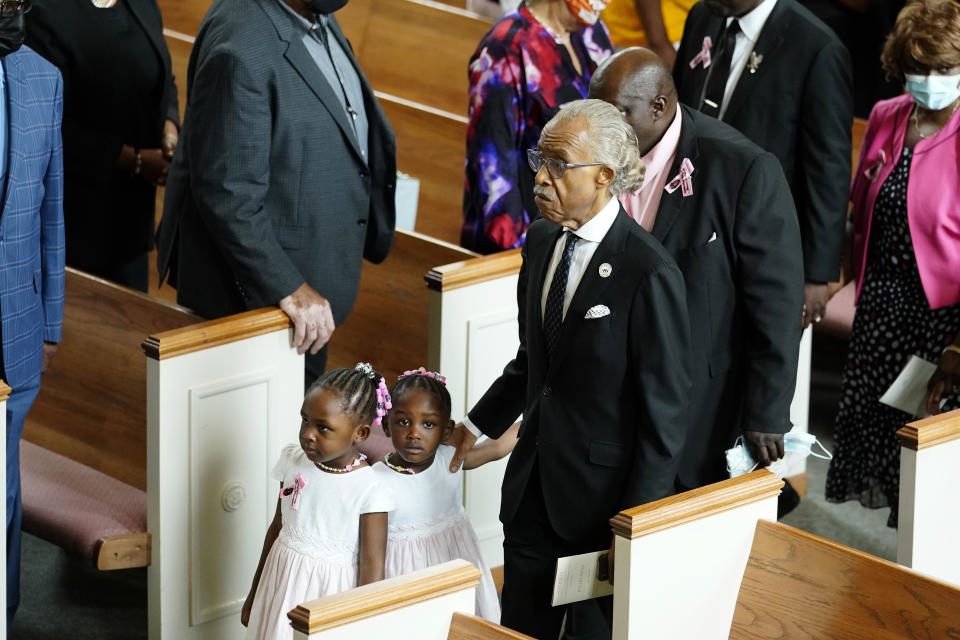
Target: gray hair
[(613, 141)]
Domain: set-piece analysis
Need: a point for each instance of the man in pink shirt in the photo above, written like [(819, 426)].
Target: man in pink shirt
[(722, 208)]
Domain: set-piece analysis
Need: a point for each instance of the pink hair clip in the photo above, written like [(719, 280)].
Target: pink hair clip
[(423, 372), (384, 403)]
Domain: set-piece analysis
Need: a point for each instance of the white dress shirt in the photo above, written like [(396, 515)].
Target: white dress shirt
[(590, 235), (751, 24)]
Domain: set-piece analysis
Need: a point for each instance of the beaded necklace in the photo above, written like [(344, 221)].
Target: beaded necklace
[(350, 467), (396, 467)]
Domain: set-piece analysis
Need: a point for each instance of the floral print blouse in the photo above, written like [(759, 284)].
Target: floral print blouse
[(519, 77)]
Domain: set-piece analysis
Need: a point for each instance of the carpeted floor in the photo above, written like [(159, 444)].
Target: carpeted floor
[(63, 597)]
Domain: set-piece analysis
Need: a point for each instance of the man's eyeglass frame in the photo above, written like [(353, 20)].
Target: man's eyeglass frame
[(556, 168)]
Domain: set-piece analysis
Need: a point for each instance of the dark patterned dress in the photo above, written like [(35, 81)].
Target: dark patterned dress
[(893, 322), (519, 77)]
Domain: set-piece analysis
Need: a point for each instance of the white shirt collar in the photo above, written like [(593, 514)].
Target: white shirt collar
[(751, 24), (596, 228)]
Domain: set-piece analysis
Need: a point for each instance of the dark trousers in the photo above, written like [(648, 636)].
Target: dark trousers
[(18, 404), (530, 551)]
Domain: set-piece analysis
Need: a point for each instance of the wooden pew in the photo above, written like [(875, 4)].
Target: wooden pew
[(91, 403), (715, 553), (431, 604), (388, 38), (431, 147), (390, 41), (929, 473), (798, 585)]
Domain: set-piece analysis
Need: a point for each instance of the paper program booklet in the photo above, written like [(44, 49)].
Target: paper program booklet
[(909, 391), (581, 578)]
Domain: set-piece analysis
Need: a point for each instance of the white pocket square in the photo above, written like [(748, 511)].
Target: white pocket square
[(597, 311)]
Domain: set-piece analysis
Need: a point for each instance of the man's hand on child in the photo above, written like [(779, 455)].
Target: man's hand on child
[(463, 440)]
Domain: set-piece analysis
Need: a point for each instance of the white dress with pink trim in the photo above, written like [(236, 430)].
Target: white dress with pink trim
[(429, 526), (316, 552)]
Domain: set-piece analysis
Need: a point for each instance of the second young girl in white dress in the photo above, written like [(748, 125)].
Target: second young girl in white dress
[(429, 525)]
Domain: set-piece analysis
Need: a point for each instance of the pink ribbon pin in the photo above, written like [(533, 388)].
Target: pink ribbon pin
[(871, 172), (298, 484), (704, 55), (682, 180)]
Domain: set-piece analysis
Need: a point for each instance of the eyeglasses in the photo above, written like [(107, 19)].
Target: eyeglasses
[(10, 7), (555, 167)]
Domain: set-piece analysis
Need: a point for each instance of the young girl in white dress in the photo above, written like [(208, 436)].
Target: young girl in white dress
[(429, 525), (329, 532)]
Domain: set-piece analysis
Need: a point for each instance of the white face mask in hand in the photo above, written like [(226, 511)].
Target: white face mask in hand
[(796, 446)]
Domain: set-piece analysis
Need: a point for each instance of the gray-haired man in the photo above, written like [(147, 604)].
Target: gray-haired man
[(601, 375)]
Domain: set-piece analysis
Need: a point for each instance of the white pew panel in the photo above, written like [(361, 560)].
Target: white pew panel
[(473, 335), (223, 398), (679, 561), (929, 476)]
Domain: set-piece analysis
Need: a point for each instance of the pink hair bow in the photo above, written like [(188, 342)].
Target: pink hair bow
[(384, 402), (704, 55), (682, 180), (295, 489), (423, 372), (871, 172)]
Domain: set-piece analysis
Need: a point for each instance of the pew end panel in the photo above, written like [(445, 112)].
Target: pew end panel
[(798, 585), (423, 601), (223, 399), (473, 335), (929, 475), (687, 550)]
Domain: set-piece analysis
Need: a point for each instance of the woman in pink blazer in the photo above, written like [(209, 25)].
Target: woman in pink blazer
[(905, 254)]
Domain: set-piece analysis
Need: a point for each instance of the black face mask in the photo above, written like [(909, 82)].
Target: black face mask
[(327, 6), (12, 30)]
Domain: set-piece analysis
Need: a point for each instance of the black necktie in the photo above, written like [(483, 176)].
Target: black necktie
[(320, 28), (553, 310), (720, 70)]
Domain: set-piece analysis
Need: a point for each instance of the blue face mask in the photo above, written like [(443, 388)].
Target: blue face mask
[(796, 444), (933, 92)]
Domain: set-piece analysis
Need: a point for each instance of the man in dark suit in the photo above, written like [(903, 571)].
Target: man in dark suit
[(31, 249), (601, 375), (780, 76), (285, 173), (733, 231)]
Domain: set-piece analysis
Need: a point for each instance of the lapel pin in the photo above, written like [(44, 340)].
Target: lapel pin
[(704, 56), (754, 62), (682, 180), (605, 270)]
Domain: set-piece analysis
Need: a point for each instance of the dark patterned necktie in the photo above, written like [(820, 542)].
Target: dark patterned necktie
[(720, 71), (553, 310)]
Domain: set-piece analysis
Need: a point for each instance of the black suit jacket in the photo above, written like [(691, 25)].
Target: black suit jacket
[(799, 107), (268, 188), (737, 242), (606, 417), (109, 214)]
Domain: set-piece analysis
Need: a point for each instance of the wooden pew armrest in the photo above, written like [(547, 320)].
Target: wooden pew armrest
[(123, 551)]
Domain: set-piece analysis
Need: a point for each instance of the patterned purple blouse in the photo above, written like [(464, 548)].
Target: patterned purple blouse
[(519, 77)]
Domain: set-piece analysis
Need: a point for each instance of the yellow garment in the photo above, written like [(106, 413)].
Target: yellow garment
[(621, 19)]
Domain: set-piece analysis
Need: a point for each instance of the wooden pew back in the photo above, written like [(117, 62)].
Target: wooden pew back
[(388, 324), (797, 585), (91, 403), (415, 49)]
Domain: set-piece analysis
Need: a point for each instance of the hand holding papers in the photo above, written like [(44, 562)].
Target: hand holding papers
[(579, 578), (909, 391)]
